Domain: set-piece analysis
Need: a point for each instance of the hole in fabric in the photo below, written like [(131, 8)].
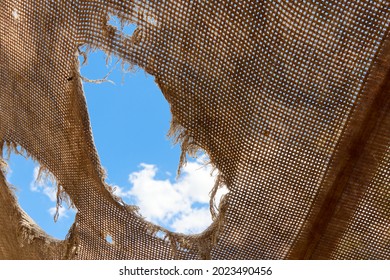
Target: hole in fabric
[(151, 20), (160, 234), (15, 14), (130, 121), (126, 29), (38, 197), (109, 239)]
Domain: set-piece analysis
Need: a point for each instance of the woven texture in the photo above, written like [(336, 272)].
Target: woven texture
[(290, 100)]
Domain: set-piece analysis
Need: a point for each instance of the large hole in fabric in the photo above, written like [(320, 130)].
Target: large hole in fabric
[(37, 197), (130, 119)]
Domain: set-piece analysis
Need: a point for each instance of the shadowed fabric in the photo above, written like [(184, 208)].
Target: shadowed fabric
[(290, 99)]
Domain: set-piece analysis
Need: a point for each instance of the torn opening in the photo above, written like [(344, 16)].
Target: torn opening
[(37, 192), (129, 123), (15, 14), (109, 239), (125, 29)]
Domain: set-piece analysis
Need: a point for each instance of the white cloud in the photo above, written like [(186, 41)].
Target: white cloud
[(181, 205), (62, 212), (193, 222)]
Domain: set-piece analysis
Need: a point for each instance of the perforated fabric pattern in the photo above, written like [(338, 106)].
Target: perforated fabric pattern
[(288, 98)]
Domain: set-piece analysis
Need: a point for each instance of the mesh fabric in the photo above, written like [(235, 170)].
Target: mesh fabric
[(288, 98)]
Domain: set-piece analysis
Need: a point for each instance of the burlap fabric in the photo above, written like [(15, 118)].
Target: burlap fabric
[(290, 99)]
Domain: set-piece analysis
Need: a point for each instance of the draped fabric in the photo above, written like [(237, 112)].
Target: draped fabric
[(290, 100)]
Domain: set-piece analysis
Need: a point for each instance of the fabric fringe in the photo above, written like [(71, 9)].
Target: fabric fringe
[(43, 175), (179, 135), (73, 241)]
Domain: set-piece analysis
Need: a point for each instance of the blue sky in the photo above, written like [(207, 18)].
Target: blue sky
[(129, 120)]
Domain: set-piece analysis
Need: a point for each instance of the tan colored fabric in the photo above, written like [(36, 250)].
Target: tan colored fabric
[(290, 99)]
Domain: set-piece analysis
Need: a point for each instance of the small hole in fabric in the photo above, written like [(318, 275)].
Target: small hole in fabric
[(160, 234), (109, 239), (15, 14), (126, 29)]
